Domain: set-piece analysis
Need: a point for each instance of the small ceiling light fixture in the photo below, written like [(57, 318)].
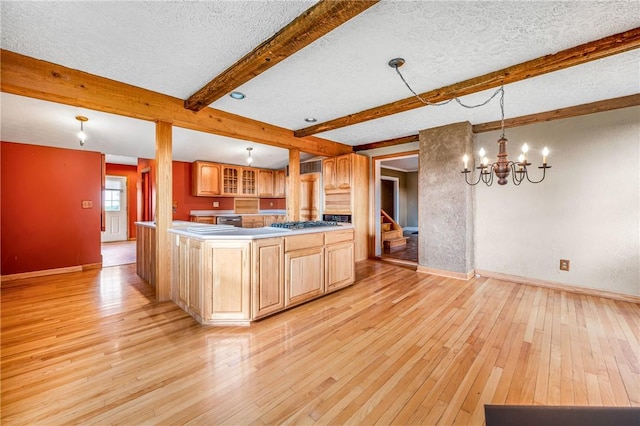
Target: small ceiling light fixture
[(502, 167), (237, 95), (310, 120), (81, 134), (249, 158)]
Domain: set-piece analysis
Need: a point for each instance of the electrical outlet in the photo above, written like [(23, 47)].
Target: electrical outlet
[(564, 265), (86, 204), (216, 204)]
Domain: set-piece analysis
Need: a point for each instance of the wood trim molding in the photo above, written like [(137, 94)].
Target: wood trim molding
[(45, 272), (448, 274), (556, 114), (25, 76), (559, 286), (560, 113), (578, 55), (315, 22)]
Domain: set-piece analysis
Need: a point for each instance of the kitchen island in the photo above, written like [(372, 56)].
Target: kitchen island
[(233, 276)]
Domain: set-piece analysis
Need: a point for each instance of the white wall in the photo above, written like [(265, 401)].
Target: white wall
[(587, 210)]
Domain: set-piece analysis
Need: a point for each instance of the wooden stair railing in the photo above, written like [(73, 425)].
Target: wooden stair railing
[(391, 233)]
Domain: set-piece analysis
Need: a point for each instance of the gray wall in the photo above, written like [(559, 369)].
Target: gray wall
[(412, 199)]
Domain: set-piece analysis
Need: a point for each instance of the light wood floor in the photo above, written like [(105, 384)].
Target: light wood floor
[(397, 347)]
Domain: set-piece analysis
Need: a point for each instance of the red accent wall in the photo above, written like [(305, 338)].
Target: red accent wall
[(131, 173), (43, 224)]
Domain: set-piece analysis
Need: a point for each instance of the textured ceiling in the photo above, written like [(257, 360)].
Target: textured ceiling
[(176, 47)]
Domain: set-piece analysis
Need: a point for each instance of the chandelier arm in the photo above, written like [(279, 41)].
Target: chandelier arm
[(467, 172), (544, 169)]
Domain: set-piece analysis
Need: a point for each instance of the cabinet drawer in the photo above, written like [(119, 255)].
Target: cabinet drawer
[(338, 236), (297, 242)]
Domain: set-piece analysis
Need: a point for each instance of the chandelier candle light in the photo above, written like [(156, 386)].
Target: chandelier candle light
[(503, 166)]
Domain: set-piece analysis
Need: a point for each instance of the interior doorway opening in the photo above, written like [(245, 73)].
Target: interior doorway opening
[(396, 207)]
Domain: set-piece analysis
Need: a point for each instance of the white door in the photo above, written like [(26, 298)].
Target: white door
[(115, 206)]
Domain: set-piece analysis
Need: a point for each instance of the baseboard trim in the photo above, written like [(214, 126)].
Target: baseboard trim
[(448, 274), (45, 272), (560, 286)]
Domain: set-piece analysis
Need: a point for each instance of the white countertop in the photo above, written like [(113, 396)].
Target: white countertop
[(175, 223), (226, 232)]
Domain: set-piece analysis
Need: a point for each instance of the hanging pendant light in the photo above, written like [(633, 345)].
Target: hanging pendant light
[(82, 136), (249, 159)]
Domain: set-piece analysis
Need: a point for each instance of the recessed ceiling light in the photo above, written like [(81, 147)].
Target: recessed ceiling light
[(237, 95), (310, 120)]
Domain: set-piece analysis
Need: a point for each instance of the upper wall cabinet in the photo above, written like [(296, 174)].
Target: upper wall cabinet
[(206, 179), (336, 173), (230, 180), (265, 183), (280, 183), (215, 180)]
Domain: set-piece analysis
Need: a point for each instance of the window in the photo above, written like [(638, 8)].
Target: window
[(112, 193)]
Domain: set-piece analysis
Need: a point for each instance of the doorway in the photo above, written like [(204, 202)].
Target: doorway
[(115, 206), (396, 194)]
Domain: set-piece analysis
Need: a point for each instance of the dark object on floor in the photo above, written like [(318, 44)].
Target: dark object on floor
[(415, 233), (530, 415)]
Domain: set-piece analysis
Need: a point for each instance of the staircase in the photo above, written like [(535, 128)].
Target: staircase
[(391, 234)]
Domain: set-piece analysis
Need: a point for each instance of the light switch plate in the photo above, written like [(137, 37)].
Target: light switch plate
[(564, 264)]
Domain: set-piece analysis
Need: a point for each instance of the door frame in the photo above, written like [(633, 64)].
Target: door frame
[(375, 212)]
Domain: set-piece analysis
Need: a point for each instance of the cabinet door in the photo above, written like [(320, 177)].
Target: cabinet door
[(206, 181), (248, 181), (339, 265), (203, 219), (195, 280), (268, 276), (265, 183), (230, 180), (304, 275), (343, 172), (309, 196), (227, 282), (279, 179), (329, 173)]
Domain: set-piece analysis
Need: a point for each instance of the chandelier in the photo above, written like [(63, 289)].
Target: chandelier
[(502, 167)]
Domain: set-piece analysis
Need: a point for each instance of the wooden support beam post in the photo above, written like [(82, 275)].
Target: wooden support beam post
[(164, 214), (293, 188)]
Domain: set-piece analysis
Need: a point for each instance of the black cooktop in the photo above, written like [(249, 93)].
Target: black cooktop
[(306, 224)]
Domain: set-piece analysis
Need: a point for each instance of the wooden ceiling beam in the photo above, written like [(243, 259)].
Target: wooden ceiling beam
[(388, 142), (598, 49), (556, 114), (315, 22), (25, 76)]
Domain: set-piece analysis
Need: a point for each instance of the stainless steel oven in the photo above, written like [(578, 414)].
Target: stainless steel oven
[(229, 220)]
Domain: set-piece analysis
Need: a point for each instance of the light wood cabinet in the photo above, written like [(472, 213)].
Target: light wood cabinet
[(206, 179), (304, 275), (227, 282), (309, 196), (250, 221), (203, 219), (146, 253), (343, 171), (231, 180), (339, 265), (268, 277), (186, 276), (329, 173), (249, 182), (276, 218), (195, 276), (265, 183), (280, 184), (346, 192)]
